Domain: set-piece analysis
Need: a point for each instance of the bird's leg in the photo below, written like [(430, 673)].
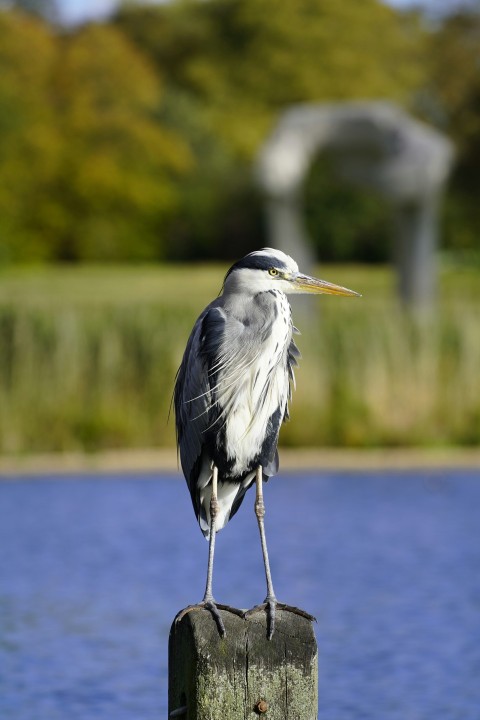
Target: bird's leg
[(270, 600), (208, 601), (213, 531), (260, 513), (270, 604)]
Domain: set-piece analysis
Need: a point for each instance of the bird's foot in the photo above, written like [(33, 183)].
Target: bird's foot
[(270, 606), (212, 607)]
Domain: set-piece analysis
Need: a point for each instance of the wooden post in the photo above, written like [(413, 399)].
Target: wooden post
[(244, 675)]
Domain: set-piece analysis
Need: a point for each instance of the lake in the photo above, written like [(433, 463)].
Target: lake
[(93, 570)]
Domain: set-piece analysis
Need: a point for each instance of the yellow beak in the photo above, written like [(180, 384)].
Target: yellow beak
[(307, 284)]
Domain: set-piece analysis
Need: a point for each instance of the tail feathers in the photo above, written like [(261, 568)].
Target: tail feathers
[(230, 494), (230, 497), (271, 468)]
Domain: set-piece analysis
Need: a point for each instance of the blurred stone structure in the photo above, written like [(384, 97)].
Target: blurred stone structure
[(375, 145)]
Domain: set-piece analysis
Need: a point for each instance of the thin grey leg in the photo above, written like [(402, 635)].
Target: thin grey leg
[(211, 547), (260, 513), (270, 600), (208, 600), (270, 604)]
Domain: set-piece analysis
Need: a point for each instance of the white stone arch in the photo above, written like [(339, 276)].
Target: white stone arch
[(376, 145)]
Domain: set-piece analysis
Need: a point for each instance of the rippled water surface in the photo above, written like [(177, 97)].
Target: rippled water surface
[(93, 570)]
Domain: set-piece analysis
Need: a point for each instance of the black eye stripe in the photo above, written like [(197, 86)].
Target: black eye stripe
[(258, 262)]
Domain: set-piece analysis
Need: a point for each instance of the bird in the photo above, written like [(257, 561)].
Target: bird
[(231, 397)]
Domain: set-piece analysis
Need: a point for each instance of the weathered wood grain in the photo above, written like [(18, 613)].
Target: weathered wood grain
[(243, 674)]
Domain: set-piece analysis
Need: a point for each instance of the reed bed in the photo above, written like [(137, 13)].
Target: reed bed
[(88, 360)]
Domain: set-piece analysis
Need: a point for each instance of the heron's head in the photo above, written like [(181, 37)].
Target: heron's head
[(270, 269)]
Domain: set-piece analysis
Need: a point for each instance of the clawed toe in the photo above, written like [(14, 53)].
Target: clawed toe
[(270, 606), (230, 609), (296, 611), (213, 608)]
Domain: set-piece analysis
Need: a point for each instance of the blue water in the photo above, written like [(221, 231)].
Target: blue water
[(93, 570)]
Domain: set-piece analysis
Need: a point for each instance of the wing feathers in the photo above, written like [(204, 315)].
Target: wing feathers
[(223, 386)]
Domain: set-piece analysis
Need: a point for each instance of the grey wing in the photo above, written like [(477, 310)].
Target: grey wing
[(292, 354), (195, 394)]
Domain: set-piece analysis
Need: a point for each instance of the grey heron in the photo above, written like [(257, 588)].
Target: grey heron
[(231, 396)]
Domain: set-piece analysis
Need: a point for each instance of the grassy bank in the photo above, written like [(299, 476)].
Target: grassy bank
[(88, 358)]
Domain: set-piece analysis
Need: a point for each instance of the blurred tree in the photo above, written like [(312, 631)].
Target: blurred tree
[(29, 145), (232, 65), (86, 171), (248, 59), (134, 139), (119, 162), (47, 9), (452, 101)]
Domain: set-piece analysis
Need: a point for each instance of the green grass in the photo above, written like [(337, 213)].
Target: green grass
[(88, 357)]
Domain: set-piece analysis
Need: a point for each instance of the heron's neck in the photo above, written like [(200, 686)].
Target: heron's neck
[(260, 308)]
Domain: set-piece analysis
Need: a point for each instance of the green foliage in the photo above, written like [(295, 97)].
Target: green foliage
[(120, 162), (248, 59), (133, 139), (232, 65), (452, 101), (43, 8), (88, 360), (87, 169), (29, 150)]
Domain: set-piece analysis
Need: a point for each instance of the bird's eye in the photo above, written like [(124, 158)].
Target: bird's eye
[(272, 271)]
